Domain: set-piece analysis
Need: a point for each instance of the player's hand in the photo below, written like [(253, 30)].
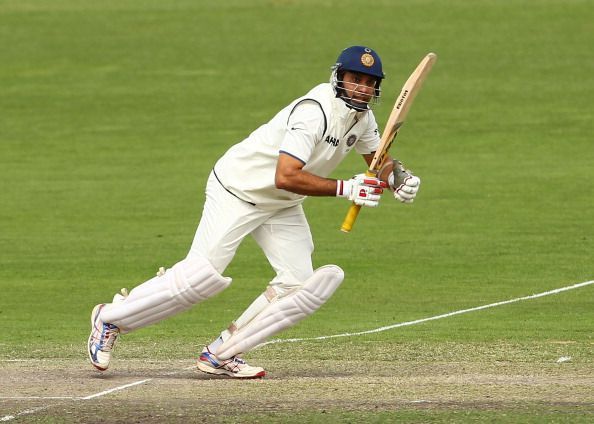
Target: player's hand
[(362, 190), (404, 183)]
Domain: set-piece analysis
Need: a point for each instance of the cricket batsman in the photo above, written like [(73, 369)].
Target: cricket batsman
[(256, 188)]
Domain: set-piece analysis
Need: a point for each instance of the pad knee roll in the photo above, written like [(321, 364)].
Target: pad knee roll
[(284, 312), (187, 283)]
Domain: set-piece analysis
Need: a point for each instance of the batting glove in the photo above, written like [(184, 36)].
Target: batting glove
[(361, 189), (404, 183)]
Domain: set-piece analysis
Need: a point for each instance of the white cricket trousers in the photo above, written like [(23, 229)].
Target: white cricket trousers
[(283, 234)]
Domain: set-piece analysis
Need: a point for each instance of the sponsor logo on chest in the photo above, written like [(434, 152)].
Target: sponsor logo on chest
[(335, 141)]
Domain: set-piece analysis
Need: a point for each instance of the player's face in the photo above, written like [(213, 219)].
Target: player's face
[(359, 87)]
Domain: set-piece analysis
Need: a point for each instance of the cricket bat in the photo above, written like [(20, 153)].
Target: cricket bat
[(395, 120)]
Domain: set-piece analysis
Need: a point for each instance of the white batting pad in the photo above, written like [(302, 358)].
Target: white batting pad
[(284, 312), (187, 283)]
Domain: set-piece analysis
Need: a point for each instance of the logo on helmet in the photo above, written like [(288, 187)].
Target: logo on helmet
[(367, 60)]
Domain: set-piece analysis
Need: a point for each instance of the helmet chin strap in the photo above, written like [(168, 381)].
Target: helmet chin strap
[(352, 104)]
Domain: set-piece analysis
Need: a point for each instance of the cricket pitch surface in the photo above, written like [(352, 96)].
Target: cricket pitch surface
[(296, 391)]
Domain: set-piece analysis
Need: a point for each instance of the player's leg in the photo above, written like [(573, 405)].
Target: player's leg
[(283, 312), (185, 284), (225, 222), (286, 241)]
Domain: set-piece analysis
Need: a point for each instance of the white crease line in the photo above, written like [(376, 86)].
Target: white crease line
[(115, 389), (125, 386), (41, 408), (76, 398), (25, 412), (419, 321)]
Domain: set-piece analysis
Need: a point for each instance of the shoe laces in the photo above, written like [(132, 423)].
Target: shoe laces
[(234, 364), (239, 360), (108, 337)]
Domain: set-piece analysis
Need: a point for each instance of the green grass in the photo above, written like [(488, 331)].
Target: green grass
[(113, 113)]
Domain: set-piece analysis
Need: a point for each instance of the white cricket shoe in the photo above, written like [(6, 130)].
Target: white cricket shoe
[(102, 340), (233, 367)]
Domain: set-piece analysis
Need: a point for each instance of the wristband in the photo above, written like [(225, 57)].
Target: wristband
[(343, 188)]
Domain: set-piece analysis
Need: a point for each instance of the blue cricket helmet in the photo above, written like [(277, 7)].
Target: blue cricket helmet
[(360, 59), (357, 59)]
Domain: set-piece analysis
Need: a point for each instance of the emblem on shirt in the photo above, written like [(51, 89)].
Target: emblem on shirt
[(351, 140), (367, 60)]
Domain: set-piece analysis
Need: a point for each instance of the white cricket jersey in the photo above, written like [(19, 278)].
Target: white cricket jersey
[(318, 129)]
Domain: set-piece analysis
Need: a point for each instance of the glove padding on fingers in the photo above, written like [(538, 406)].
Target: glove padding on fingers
[(404, 183), (362, 190)]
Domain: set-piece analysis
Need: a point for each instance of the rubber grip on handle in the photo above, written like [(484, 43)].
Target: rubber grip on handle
[(353, 212), (349, 219)]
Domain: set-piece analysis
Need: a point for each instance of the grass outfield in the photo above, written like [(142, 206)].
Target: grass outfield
[(113, 113)]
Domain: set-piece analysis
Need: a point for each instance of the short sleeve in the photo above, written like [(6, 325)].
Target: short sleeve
[(305, 128), (370, 139)]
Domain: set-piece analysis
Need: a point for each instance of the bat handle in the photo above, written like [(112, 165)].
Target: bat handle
[(350, 218)]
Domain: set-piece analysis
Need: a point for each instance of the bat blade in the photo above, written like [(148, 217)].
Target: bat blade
[(395, 121)]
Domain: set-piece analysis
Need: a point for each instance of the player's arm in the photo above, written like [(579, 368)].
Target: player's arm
[(291, 176), (305, 128)]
